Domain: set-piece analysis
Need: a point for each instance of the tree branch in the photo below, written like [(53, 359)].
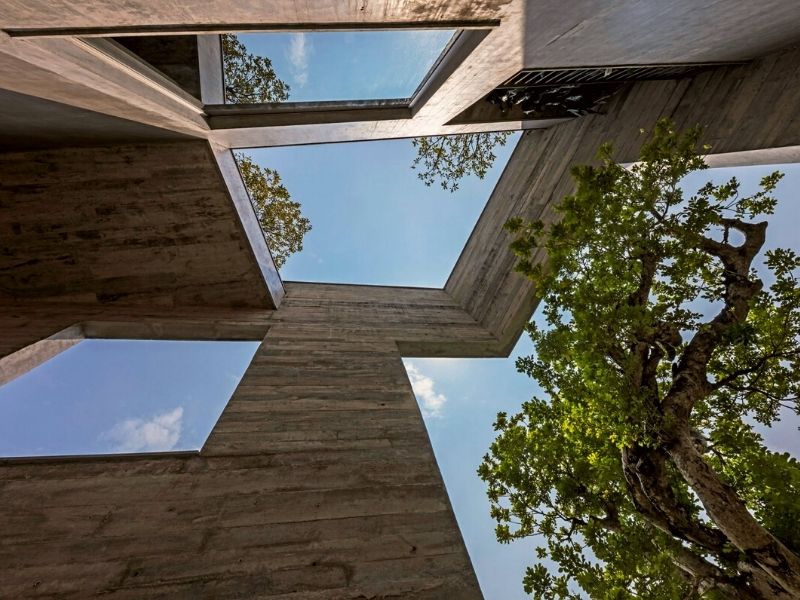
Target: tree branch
[(648, 482), (730, 514), (690, 381)]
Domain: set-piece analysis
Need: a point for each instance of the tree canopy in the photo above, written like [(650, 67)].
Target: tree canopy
[(450, 158), (279, 216), (640, 466), (249, 78)]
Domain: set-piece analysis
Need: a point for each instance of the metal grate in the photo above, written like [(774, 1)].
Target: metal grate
[(530, 78)]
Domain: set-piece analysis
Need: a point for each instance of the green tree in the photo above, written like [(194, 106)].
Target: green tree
[(279, 216), (640, 468), (450, 158), (249, 78)]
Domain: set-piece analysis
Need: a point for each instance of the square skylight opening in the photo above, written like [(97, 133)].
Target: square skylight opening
[(329, 66), (102, 396), (373, 221)]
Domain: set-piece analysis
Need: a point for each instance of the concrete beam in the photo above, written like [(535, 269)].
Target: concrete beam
[(99, 76), (25, 324), (263, 116), (324, 133), (28, 358), (245, 27), (763, 156), (212, 80), (422, 322)]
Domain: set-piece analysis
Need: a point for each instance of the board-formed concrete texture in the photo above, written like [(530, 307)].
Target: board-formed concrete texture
[(123, 215)]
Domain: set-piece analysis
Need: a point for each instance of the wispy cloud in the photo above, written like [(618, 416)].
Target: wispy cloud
[(431, 402), (299, 51), (415, 52), (159, 434)]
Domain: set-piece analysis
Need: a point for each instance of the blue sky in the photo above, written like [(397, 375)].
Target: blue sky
[(355, 65), (373, 220), (109, 396)]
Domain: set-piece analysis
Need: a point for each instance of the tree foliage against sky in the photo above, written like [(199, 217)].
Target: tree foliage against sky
[(280, 217), (640, 468), (450, 158), (249, 78)]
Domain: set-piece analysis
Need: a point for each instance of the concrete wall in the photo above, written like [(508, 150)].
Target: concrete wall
[(318, 481), (150, 224)]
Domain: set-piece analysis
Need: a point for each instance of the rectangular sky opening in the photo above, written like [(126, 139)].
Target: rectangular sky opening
[(335, 65), (373, 220), (121, 396)]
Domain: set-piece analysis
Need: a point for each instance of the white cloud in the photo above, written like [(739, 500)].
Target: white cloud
[(431, 402), (299, 51), (159, 434)]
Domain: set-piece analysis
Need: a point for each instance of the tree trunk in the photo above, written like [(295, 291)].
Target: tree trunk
[(709, 577), (732, 517), (765, 586)]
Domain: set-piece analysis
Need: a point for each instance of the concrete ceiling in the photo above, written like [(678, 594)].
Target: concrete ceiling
[(532, 34), (28, 123)]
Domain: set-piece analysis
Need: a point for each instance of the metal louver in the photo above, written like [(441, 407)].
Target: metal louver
[(577, 91), (528, 78)]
